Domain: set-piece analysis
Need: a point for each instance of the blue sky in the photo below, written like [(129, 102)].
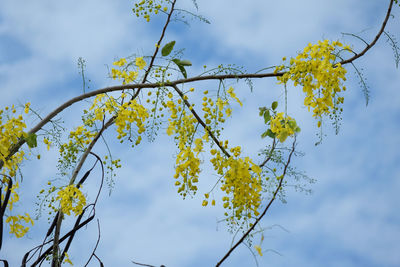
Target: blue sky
[(350, 219)]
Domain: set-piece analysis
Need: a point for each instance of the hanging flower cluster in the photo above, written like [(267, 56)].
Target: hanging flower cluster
[(316, 70), (145, 7), (71, 199), (16, 226), (11, 131), (127, 76), (241, 182), (187, 167), (183, 124)]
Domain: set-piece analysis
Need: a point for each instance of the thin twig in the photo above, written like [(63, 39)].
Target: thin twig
[(143, 264), (97, 243), (374, 41)]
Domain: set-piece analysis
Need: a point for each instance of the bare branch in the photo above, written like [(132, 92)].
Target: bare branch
[(369, 46)]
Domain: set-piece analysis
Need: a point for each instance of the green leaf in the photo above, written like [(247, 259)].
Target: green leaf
[(267, 116), (185, 62), (31, 140), (264, 134), (274, 105), (270, 133), (166, 50), (183, 71), (262, 110), (180, 66)]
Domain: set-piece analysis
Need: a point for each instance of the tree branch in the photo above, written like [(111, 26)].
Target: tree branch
[(374, 41)]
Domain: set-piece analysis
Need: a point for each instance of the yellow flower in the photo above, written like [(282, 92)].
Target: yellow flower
[(71, 199), (47, 142), (258, 249), (283, 127), (120, 63), (140, 62), (321, 78), (233, 95), (26, 110), (66, 259)]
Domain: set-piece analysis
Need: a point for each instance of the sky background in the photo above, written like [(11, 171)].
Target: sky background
[(350, 219)]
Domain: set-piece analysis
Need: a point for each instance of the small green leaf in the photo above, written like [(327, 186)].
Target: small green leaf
[(180, 66), (262, 110), (185, 63), (183, 71), (270, 133), (274, 105), (166, 50), (267, 116), (264, 134), (31, 140)]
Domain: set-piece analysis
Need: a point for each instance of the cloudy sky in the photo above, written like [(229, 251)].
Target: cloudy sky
[(350, 219)]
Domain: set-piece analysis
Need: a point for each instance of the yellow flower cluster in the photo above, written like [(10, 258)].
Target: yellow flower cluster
[(127, 76), (71, 199), (283, 126), (321, 78), (213, 115), (183, 124), (14, 197), (15, 222), (241, 183), (145, 7), (187, 167), (128, 113), (16, 227), (139, 61), (78, 140), (187, 162), (82, 136), (11, 130)]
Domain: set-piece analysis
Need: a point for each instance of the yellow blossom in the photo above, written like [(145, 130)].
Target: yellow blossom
[(320, 76), (71, 199), (26, 110), (140, 62), (258, 249), (120, 63)]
